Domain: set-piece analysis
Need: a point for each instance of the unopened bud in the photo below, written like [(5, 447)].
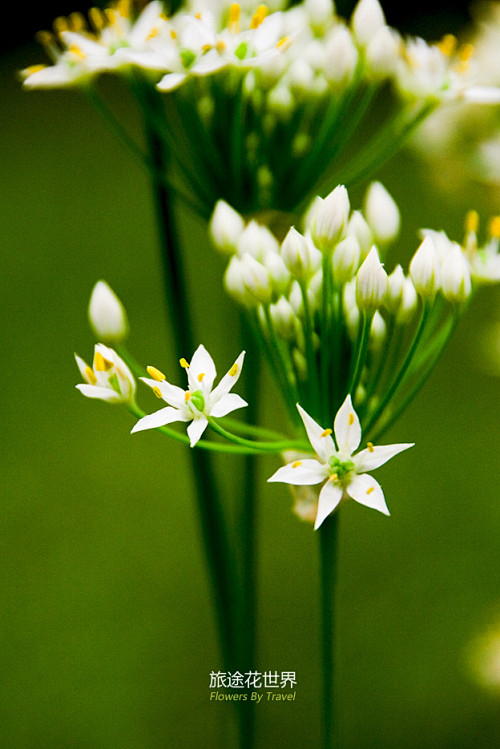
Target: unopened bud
[(409, 303), (455, 276), (424, 269), (394, 294), (367, 19), (341, 57), (226, 226), (345, 259), (300, 256), (382, 213), (256, 279), (107, 315), (284, 319), (330, 219), (359, 228), (371, 282)]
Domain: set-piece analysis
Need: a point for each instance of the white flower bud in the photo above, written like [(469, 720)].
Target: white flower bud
[(367, 19), (378, 332), (226, 226), (359, 228), (371, 282), (107, 315), (296, 301), (300, 363), (455, 276), (257, 241), (424, 269), (351, 309), (341, 57), (409, 302), (233, 282), (394, 294), (280, 101), (330, 219), (320, 13), (315, 289), (278, 271), (284, 319), (345, 259), (381, 213), (256, 279), (382, 52), (300, 76), (299, 255)]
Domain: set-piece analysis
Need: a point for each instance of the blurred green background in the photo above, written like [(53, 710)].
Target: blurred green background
[(107, 633)]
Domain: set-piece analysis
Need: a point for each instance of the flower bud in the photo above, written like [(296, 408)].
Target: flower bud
[(257, 241), (280, 102), (278, 271), (320, 14), (300, 256), (358, 228), (107, 315), (256, 279), (330, 219), (341, 57), (233, 281), (424, 269), (409, 302), (378, 332), (367, 19), (226, 226), (371, 282), (455, 276), (382, 52), (284, 319), (381, 213), (345, 259), (300, 76), (394, 294)]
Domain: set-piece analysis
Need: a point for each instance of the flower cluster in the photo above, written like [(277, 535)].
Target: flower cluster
[(243, 78), (336, 320)]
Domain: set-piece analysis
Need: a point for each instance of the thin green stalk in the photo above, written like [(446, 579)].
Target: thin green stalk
[(263, 447), (362, 350), (326, 322), (312, 367), (275, 357), (328, 534), (241, 427)]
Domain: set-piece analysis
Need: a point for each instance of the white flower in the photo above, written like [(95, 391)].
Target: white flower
[(342, 473), (425, 269), (109, 380), (107, 315), (382, 214), (199, 401), (371, 282)]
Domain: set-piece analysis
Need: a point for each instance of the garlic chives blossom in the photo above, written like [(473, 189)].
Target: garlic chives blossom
[(109, 379), (107, 315)]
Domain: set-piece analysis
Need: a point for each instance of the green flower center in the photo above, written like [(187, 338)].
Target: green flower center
[(187, 58), (340, 467), (198, 400)]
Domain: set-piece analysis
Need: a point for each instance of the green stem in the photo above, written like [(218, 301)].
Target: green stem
[(312, 368), (328, 572), (266, 447), (362, 350)]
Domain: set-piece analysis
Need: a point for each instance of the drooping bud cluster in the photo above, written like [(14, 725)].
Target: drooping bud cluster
[(338, 318)]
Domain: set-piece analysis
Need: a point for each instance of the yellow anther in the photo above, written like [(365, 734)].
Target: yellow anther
[(448, 45), (333, 477), (465, 52), (297, 464), (234, 18), (97, 18), (370, 447), (154, 32), (187, 396), (155, 374), (123, 8), (370, 490), (60, 24), (201, 376), (77, 22), (184, 364), (157, 392), (234, 370), (283, 43), (206, 47), (198, 16), (472, 222), (259, 16), (351, 419), (326, 433), (33, 69), (173, 34), (101, 364), (48, 42), (494, 227), (220, 46), (75, 50), (89, 374)]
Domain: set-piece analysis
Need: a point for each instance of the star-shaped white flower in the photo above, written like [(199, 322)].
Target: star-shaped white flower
[(199, 401), (341, 472), (109, 379)]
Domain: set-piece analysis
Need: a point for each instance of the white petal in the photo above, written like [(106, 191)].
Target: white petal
[(482, 95), (159, 419), (226, 404), (368, 460), (196, 429), (322, 442), (201, 371), (329, 498), (229, 379), (82, 366), (172, 394), (54, 76), (347, 428), (103, 394), (367, 491), (301, 473), (171, 81)]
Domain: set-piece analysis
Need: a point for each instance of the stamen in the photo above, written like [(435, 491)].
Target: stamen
[(234, 18), (97, 18), (282, 44), (259, 16), (60, 24), (157, 392), (494, 227), (465, 52), (101, 364), (77, 22), (370, 490), (154, 32), (351, 419), (198, 16), (184, 364), (201, 376), (206, 47), (187, 396), (471, 222), (370, 447), (173, 34), (297, 464), (48, 42), (33, 69), (220, 46), (75, 50), (326, 433), (123, 8), (448, 45), (234, 370), (334, 477), (89, 374), (155, 374)]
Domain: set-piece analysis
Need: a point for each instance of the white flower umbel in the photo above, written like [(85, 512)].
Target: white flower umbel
[(107, 315), (109, 379), (199, 401), (342, 473)]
